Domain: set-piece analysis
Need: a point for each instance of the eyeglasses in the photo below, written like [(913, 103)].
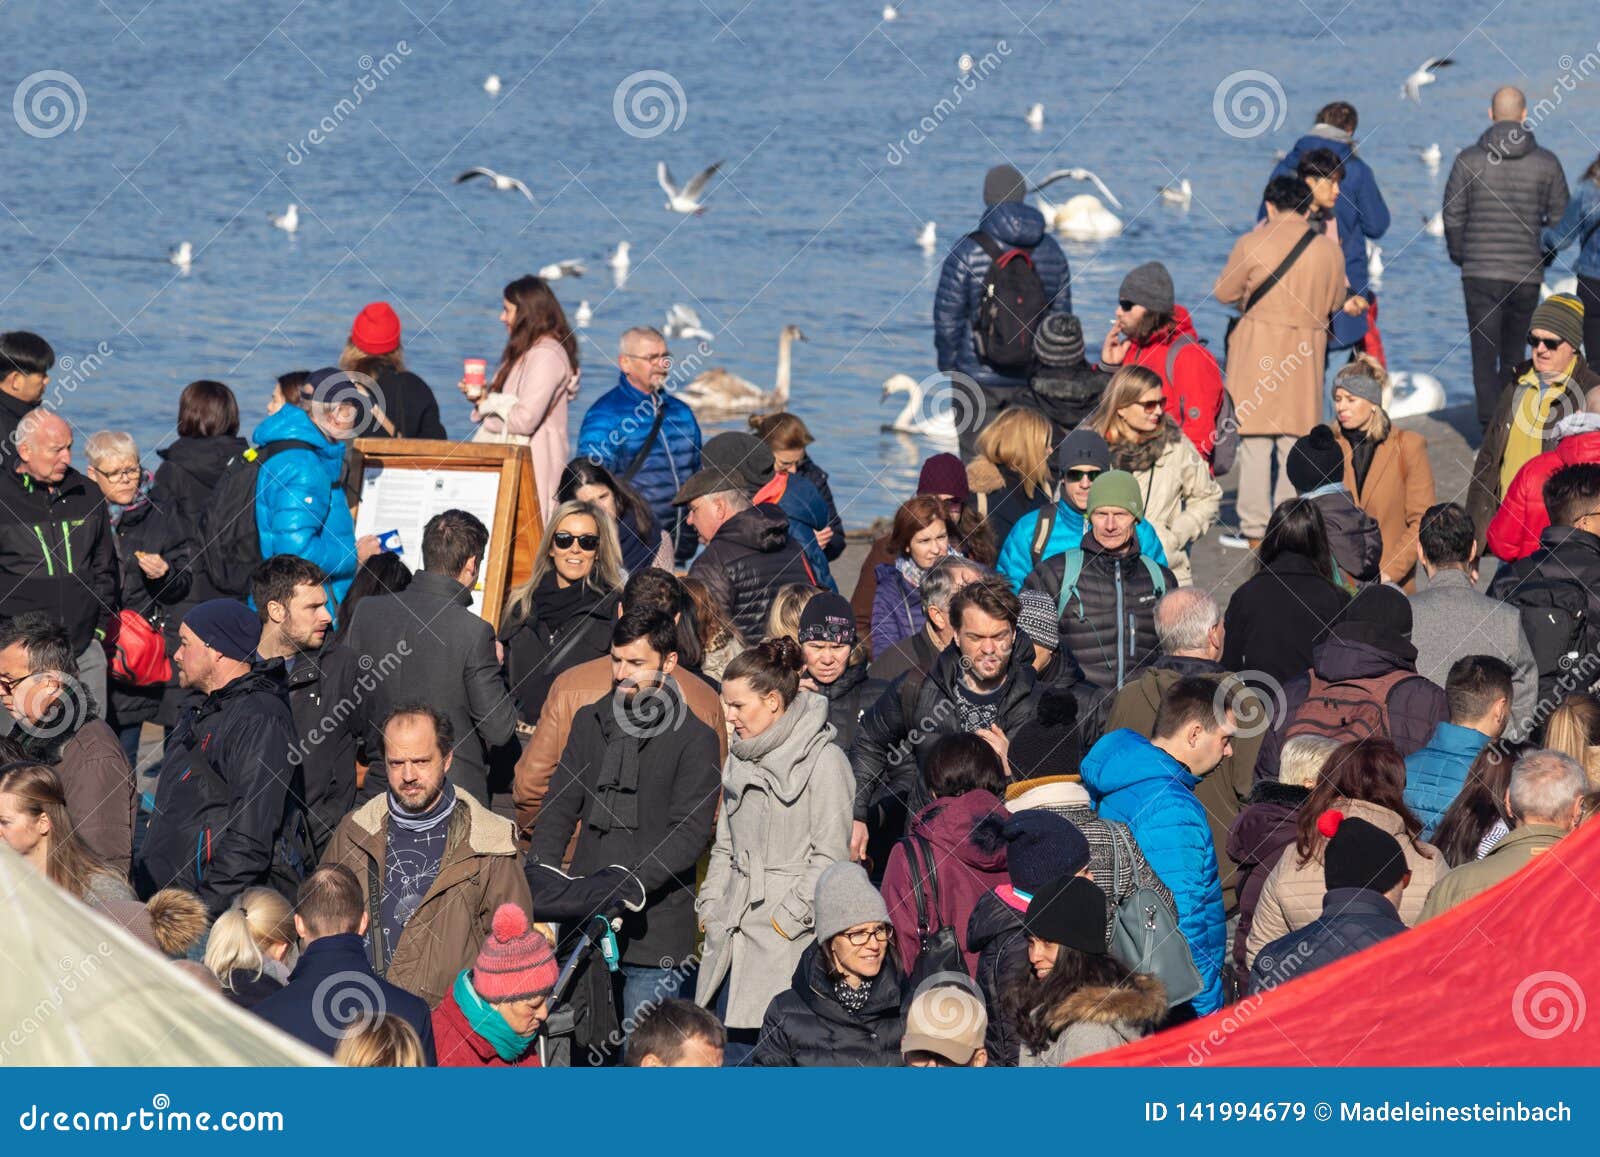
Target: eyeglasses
[(588, 543), (9, 686), (126, 474), (665, 357), (882, 933), (1080, 475), (1153, 406), (1545, 343), (1126, 306)]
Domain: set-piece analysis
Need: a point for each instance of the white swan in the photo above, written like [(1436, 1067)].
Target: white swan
[(1035, 117), (719, 393), (929, 237), (1411, 395), (1568, 284), (1083, 218), (911, 420)]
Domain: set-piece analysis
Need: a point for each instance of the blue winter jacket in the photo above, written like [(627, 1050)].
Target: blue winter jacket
[(1436, 774), (1016, 555), (1131, 780), (1352, 920), (614, 430), (300, 506), (1015, 225), (1360, 210), (1581, 223), (808, 513)]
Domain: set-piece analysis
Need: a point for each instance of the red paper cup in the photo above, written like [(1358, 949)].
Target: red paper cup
[(474, 370)]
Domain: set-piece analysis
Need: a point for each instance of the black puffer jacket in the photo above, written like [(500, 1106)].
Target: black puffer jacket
[(1353, 919), (807, 1027), (1502, 191), (1110, 624), (410, 405), (189, 471), (152, 526), (849, 697), (1566, 556), (325, 689), (745, 564), (995, 933), (537, 651), (914, 712)]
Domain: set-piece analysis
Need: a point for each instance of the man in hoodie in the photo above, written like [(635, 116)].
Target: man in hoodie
[(1502, 192), (1149, 784), (1008, 222)]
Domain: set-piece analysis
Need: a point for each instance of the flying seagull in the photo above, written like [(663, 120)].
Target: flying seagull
[(684, 322), (500, 181), (686, 199), (569, 268), (1424, 75), (1077, 175)]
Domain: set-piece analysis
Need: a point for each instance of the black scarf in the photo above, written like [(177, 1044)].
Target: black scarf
[(1362, 449), (617, 788), (556, 607)]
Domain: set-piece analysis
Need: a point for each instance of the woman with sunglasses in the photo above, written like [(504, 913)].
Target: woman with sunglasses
[(643, 542), (1181, 499), (1386, 469), (787, 793), (563, 614), (153, 550), (920, 538), (843, 1007)]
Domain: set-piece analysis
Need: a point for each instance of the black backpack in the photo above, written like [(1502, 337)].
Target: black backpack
[(1556, 620), (229, 541), (938, 950), (1012, 305)]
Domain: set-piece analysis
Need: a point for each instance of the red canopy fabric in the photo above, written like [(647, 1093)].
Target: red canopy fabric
[(1504, 979)]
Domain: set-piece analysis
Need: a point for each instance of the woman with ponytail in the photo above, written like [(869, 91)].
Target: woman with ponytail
[(787, 792), (253, 946)]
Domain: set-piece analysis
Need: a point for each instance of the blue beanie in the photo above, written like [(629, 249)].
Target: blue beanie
[(227, 626), (1043, 847)]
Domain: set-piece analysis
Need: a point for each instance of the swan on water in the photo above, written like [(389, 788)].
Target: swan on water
[(717, 392), (1083, 218), (911, 419), (1411, 395), (500, 181), (559, 269)]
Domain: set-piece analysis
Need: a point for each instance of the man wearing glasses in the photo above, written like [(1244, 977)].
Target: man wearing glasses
[(646, 437), (1553, 384), (56, 552)]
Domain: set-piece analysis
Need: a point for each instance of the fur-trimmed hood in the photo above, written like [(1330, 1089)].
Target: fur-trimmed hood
[(1141, 1002)]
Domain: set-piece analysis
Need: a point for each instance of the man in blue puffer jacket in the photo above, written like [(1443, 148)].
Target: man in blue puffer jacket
[(300, 505), (1479, 690), (618, 425), (1014, 224), (1149, 785), (1360, 211)]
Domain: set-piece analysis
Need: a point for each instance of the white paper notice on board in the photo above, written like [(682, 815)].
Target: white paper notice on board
[(404, 499)]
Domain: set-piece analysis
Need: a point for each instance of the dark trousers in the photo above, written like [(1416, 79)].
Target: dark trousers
[(1589, 294), (1498, 315)]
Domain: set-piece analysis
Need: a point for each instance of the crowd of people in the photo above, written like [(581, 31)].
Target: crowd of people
[(1029, 792)]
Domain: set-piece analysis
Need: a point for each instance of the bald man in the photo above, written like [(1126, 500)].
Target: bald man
[(1502, 191), (56, 551)]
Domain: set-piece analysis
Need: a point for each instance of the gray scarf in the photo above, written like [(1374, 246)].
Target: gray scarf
[(439, 813)]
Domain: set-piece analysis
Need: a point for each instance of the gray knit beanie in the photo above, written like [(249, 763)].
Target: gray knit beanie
[(1149, 285), (1353, 379), (1059, 342), (845, 898)]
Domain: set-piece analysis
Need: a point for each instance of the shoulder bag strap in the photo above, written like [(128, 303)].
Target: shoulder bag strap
[(988, 244), (1042, 531), (649, 440), (912, 848), (1277, 274)]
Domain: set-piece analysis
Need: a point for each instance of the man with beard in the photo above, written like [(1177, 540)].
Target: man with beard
[(292, 601), (434, 864), (639, 778), (223, 781)]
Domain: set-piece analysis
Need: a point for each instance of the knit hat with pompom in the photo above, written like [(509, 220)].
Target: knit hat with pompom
[(1047, 742), (516, 961), (1359, 854)]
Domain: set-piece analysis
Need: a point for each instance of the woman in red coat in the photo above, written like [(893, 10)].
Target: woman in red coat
[(491, 1017), (1515, 528)]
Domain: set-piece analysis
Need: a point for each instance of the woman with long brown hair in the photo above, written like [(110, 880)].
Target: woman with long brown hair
[(1365, 778), (527, 400), (920, 538), (34, 822), (1181, 499), (716, 641)]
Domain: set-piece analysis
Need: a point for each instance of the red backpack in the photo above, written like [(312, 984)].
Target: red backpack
[(1346, 709)]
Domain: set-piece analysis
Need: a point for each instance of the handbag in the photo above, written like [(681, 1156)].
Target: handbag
[(137, 651), (938, 950), (1145, 936)]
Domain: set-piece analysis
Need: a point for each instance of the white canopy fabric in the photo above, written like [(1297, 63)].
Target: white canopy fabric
[(75, 989)]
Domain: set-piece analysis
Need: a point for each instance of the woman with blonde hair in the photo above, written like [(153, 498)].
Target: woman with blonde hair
[(1011, 474), (382, 1042), (562, 615), (1181, 499), (1574, 729), (787, 437), (34, 822), (720, 641), (526, 401), (783, 619), (1386, 469), (253, 946)]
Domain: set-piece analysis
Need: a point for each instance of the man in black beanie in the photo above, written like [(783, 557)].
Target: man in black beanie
[(1366, 873), (1008, 224), (1315, 466)]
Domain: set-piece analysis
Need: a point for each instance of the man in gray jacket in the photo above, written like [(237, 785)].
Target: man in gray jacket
[(1451, 619), (1502, 191), (425, 645)]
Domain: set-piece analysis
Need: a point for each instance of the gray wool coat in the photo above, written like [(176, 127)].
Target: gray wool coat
[(1451, 618), (787, 796)]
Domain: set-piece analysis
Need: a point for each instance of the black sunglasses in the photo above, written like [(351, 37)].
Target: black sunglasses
[(1125, 305), (588, 543), (1545, 343), (1080, 475)]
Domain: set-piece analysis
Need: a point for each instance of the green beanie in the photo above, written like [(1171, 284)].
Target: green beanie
[(1116, 488)]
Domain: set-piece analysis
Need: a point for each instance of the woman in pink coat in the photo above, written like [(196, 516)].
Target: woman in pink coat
[(527, 400)]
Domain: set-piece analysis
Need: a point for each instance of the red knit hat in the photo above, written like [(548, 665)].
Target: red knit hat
[(516, 961), (376, 329)]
